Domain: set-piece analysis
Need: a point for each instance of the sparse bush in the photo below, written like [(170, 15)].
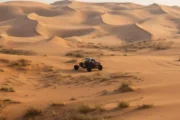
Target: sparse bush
[(20, 63), (32, 112), (72, 99), (7, 89), (103, 77), (58, 104), (10, 101), (6, 102), (145, 106), (162, 45), (17, 52), (124, 88), (104, 92), (99, 108), (85, 109), (122, 105), (4, 61)]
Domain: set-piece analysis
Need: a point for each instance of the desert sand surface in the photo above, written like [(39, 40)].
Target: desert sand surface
[(137, 45)]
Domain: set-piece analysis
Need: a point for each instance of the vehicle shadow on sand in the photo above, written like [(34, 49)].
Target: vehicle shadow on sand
[(72, 71)]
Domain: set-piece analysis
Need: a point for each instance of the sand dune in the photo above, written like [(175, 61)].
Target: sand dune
[(68, 19), (116, 19), (130, 32), (19, 27), (60, 42)]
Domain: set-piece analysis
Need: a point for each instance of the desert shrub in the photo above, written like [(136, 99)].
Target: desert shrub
[(4, 61), (57, 104), (122, 105), (99, 108), (73, 98), (6, 102), (7, 89), (32, 112), (145, 106), (11, 101), (162, 45), (84, 108), (20, 63), (17, 52), (125, 87)]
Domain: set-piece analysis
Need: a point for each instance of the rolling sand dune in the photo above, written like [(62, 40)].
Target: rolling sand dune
[(56, 19), (61, 42), (137, 45), (130, 32), (116, 19), (20, 27)]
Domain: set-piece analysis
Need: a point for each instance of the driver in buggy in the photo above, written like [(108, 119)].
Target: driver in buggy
[(87, 60)]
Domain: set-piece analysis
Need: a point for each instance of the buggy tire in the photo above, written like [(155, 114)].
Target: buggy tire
[(100, 67), (76, 67), (89, 69)]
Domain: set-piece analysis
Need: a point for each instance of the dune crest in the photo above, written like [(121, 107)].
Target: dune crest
[(60, 42)]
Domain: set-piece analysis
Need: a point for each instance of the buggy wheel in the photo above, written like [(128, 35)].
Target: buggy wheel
[(76, 67), (100, 67), (89, 68)]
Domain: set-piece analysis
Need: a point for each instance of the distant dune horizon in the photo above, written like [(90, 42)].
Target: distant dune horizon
[(170, 3)]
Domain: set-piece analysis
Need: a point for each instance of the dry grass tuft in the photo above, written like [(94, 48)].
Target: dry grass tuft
[(123, 105), (6, 102), (99, 108), (132, 46), (57, 105), (125, 87), (162, 45), (17, 52), (145, 106), (20, 63), (32, 112), (102, 77), (7, 89), (73, 99), (4, 61), (84, 108)]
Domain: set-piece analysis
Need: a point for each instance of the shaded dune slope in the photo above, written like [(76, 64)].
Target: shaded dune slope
[(19, 27), (130, 32)]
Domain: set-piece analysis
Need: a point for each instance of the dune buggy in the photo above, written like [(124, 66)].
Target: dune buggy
[(89, 64)]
